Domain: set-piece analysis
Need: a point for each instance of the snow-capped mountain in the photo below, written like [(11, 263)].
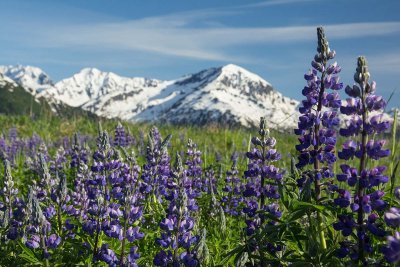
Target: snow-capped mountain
[(225, 95), (33, 79)]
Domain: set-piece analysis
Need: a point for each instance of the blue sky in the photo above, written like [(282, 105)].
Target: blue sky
[(166, 39)]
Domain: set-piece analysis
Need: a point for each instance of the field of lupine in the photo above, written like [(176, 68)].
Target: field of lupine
[(328, 195)]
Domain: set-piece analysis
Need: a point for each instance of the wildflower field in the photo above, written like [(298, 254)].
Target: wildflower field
[(76, 192)]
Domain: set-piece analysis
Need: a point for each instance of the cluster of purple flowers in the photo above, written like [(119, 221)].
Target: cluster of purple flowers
[(12, 146), (363, 205), (121, 138), (233, 188), (156, 171), (261, 192), (317, 124), (113, 203), (177, 238), (318, 120), (11, 214)]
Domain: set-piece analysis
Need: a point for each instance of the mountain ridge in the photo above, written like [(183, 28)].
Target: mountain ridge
[(228, 95)]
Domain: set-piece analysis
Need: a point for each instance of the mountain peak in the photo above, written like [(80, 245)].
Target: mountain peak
[(90, 72), (31, 78), (233, 72), (233, 68), (17, 71)]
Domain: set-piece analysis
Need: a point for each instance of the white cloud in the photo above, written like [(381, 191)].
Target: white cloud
[(197, 34), (174, 36), (385, 63), (276, 3)]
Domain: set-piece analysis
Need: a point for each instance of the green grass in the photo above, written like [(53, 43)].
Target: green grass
[(210, 140)]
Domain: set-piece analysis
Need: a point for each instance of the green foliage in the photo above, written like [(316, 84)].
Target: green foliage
[(16, 101)]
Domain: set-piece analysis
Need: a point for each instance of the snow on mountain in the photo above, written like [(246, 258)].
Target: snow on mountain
[(7, 82), (228, 95), (33, 79), (243, 97), (91, 87)]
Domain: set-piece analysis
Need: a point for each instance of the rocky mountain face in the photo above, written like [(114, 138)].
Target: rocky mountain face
[(228, 95)]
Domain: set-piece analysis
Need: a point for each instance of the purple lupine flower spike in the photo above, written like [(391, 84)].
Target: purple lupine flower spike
[(120, 137), (261, 192), (9, 199), (366, 203), (178, 225), (317, 125)]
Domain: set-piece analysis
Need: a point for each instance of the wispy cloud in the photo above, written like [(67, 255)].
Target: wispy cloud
[(175, 36), (388, 62), (197, 34), (276, 3)]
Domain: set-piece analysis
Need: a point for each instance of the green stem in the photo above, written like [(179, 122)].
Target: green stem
[(317, 183), (59, 219), (393, 156), (360, 189), (320, 230), (46, 262), (124, 234), (177, 238), (96, 240)]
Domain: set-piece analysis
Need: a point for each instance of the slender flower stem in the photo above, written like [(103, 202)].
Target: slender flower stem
[(317, 183), (127, 207), (360, 190), (59, 220), (177, 238), (98, 221), (96, 240), (46, 262), (262, 199)]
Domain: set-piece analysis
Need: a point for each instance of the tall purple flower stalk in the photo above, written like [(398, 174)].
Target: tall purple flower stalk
[(233, 187), (98, 192), (78, 153), (11, 206), (177, 239), (194, 172), (120, 137), (156, 170), (39, 232), (261, 192), (318, 120), (125, 193), (366, 203)]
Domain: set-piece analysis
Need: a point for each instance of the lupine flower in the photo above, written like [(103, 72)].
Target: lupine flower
[(108, 256), (177, 226), (156, 170), (318, 122), (193, 171), (397, 192), (366, 198), (120, 137), (39, 231), (79, 155), (11, 206), (233, 188), (262, 180), (392, 249), (392, 217)]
